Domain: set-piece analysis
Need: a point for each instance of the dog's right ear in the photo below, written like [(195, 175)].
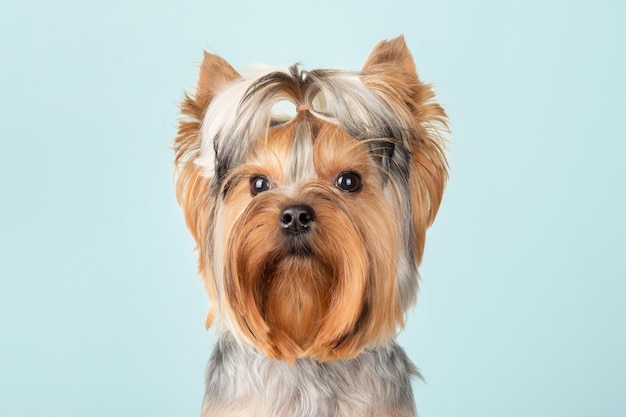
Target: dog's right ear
[(215, 74), (192, 187)]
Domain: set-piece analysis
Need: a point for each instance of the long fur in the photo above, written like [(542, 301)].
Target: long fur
[(376, 383), (333, 298)]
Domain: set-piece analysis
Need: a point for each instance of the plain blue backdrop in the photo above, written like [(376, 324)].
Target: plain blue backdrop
[(522, 309)]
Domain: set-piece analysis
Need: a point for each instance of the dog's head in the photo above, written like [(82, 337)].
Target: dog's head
[(310, 225)]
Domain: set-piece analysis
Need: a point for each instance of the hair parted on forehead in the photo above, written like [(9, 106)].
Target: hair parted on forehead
[(243, 112)]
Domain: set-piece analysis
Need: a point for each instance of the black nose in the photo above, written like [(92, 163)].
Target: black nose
[(297, 218)]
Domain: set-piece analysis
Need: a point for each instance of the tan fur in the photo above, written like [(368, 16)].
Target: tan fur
[(334, 304), (391, 70), (192, 189), (308, 308)]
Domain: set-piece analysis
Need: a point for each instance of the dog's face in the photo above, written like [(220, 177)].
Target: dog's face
[(310, 228)]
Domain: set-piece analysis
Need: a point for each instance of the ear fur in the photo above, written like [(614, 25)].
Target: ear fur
[(192, 188), (390, 70)]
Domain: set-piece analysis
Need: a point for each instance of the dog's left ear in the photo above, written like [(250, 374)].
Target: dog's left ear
[(390, 70), (192, 186), (391, 57)]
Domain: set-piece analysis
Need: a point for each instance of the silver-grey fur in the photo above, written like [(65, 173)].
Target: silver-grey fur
[(241, 381)]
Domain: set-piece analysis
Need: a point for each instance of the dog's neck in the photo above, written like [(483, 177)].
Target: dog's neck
[(247, 383)]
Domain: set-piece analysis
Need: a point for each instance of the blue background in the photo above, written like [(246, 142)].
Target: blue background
[(522, 309)]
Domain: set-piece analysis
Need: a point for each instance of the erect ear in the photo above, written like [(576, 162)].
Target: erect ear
[(192, 188), (390, 71), (392, 56), (215, 74)]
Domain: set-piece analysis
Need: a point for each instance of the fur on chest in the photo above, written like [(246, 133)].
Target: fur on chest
[(242, 382)]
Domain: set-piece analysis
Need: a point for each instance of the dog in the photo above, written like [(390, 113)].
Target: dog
[(310, 226)]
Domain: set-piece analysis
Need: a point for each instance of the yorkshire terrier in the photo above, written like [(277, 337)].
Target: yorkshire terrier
[(310, 228)]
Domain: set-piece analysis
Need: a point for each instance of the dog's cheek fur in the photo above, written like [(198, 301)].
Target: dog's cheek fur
[(192, 187), (390, 71), (372, 214)]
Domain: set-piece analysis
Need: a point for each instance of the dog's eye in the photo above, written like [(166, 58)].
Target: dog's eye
[(258, 184), (349, 182)]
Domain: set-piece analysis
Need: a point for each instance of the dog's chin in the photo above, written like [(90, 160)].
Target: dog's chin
[(293, 294), (296, 299)]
